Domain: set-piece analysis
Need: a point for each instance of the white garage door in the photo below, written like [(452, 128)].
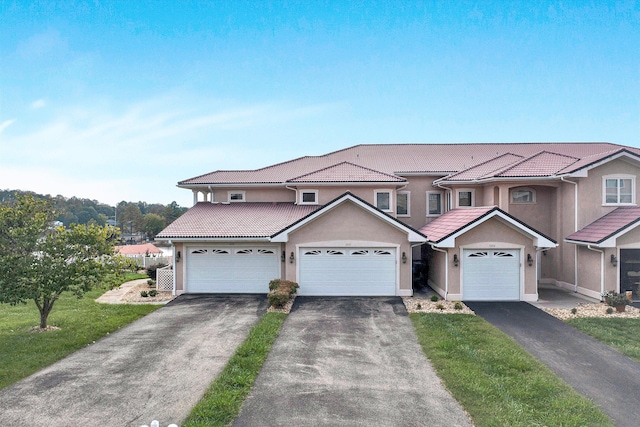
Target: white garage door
[(347, 271), (491, 275), (231, 269)]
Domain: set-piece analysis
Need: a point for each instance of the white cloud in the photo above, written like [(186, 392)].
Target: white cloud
[(141, 152), (6, 124), (38, 104)]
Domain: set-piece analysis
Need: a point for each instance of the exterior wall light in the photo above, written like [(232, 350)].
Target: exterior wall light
[(291, 258), (614, 260), (283, 257), (529, 260), (456, 261), (404, 258), (178, 256)]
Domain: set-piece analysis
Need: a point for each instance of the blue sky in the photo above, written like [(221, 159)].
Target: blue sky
[(119, 100)]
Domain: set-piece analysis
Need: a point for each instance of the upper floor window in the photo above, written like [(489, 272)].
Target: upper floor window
[(309, 197), (403, 204), (434, 203), (523, 195), (383, 200), (619, 189), (236, 196), (465, 198)]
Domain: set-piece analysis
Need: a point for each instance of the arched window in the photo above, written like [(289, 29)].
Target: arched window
[(523, 195)]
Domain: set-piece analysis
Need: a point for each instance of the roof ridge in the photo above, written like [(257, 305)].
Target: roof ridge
[(483, 163), (346, 163), (526, 159)]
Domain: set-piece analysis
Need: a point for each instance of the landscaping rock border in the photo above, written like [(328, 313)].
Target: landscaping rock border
[(428, 306)]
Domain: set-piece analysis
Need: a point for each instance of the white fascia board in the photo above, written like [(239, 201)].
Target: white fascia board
[(538, 239), (527, 179), (583, 172), (412, 236), (214, 239), (218, 185), (347, 183)]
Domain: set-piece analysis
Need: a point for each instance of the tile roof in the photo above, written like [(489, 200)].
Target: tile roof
[(540, 164), (347, 172), (438, 159), (138, 249), (219, 220), (607, 226), (453, 221), (486, 169)]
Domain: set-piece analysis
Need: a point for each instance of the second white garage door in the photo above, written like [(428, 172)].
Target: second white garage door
[(217, 269), (491, 275), (347, 271)]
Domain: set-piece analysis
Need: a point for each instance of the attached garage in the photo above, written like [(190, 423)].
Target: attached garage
[(230, 269), (491, 275), (347, 271)]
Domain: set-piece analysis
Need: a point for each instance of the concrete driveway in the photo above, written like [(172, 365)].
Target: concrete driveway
[(346, 361), (155, 368), (593, 369)]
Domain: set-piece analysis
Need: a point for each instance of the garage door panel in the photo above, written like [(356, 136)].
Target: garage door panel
[(231, 270), (491, 275), (347, 271)]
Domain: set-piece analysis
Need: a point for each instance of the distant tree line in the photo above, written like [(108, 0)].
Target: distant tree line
[(130, 217)]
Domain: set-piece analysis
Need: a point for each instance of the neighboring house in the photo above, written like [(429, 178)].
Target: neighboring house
[(489, 222), (145, 254)]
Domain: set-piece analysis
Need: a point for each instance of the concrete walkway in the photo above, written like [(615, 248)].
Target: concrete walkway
[(155, 368), (347, 361), (593, 369), (114, 296)]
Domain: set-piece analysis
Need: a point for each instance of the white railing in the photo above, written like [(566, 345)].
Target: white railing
[(164, 279), (144, 261)]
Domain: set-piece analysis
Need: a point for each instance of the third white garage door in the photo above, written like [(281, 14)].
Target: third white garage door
[(347, 271), (491, 275)]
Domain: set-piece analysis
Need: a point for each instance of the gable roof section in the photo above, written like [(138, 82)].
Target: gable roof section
[(412, 234), (589, 162), (443, 231), (604, 231), (485, 169), (540, 164), (346, 172), (234, 221)]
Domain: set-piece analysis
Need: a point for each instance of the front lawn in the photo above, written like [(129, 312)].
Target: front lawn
[(496, 381), (619, 333), (81, 322)]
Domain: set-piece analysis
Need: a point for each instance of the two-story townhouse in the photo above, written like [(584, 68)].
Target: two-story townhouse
[(489, 221)]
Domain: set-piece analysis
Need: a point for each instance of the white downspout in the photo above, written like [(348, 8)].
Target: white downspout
[(575, 228), (450, 191), (601, 267), (293, 189), (446, 269)]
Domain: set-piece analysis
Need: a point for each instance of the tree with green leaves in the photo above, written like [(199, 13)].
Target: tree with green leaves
[(152, 224), (39, 262)]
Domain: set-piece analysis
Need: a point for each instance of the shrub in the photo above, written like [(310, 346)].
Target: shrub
[(151, 282), (153, 293), (151, 270), (439, 306), (615, 299), (434, 298), (609, 310), (144, 294), (419, 306), (457, 305), (281, 291), (574, 310)]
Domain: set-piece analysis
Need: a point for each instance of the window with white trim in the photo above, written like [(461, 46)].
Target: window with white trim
[(434, 203), (465, 198), (383, 200), (403, 204), (618, 189), (236, 196), (309, 197), (523, 195)]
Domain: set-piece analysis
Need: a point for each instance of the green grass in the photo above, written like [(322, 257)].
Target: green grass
[(221, 403), (621, 334), (81, 321), (496, 381), (133, 276)]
